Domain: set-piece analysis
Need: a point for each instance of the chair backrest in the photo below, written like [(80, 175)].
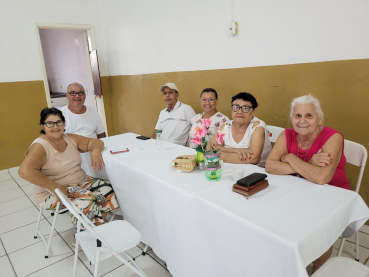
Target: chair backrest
[(80, 216), (274, 132), (356, 154)]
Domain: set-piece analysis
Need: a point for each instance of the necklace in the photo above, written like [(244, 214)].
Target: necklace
[(298, 152)]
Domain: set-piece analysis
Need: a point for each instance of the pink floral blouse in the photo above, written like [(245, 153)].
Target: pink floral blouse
[(217, 120)]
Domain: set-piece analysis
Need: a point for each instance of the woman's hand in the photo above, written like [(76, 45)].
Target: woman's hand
[(285, 157), (63, 189), (243, 153), (97, 161), (321, 159)]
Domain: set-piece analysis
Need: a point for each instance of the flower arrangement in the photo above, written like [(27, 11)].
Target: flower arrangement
[(220, 137), (201, 138)]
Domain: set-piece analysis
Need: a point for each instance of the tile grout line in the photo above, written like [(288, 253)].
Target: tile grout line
[(48, 265), (16, 211), (6, 255), (12, 266), (147, 253)]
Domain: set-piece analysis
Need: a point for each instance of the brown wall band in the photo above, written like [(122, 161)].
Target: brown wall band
[(132, 103)]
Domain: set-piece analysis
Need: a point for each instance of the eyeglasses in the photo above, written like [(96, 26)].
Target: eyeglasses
[(245, 109), (211, 100), (51, 124), (74, 93)]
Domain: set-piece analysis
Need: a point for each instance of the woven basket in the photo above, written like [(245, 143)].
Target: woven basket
[(185, 163)]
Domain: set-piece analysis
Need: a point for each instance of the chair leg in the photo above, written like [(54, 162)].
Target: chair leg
[(97, 262), (357, 244), (75, 259), (52, 230), (135, 267), (341, 247), (38, 223), (145, 250)]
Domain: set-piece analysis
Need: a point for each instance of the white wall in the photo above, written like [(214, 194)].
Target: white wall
[(146, 36), (19, 54)]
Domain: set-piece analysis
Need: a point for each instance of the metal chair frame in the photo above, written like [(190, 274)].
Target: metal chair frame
[(357, 155), (38, 232), (101, 244)]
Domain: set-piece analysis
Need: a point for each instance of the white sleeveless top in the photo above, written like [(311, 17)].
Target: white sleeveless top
[(245, 142)]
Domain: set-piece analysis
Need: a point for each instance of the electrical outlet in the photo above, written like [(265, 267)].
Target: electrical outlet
[(233, 28)]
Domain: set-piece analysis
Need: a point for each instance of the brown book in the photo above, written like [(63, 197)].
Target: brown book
[(248, 191)]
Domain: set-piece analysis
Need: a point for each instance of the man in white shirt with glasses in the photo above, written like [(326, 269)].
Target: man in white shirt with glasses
[(81, 120), (175, 120), (84, 121)]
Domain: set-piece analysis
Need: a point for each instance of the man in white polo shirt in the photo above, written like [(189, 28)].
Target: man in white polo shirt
[(175, 120), (81, 120)]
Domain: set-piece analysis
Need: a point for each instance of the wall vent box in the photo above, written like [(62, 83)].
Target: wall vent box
[(233, 28)]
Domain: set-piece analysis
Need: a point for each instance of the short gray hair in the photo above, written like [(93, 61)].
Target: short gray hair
[(307, 99)]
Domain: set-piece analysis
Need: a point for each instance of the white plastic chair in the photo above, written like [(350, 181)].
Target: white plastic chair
[(103, 241), (355, 154), (274, 132), (38, 232), (342, 267)]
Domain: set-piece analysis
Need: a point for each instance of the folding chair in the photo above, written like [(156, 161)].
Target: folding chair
[(103, 241), (274, 132), (341, 267), (355, 154), (38, 232)]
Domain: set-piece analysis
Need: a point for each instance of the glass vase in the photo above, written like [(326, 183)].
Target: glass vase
[(213, 168)]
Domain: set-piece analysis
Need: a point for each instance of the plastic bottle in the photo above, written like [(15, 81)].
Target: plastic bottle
[(159, 142)]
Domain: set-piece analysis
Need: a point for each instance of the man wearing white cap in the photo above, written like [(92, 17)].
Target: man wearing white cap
[(175, 120)]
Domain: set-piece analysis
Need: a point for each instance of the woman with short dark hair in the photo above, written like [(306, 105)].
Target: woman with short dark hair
[(209, 101), (53, 161), (245, 138)]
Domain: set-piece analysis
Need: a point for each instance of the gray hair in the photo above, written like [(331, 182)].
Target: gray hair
[(307, 99)]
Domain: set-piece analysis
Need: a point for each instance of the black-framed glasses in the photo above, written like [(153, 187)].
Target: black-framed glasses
[(74, 93), (51, 124), (236, 108)]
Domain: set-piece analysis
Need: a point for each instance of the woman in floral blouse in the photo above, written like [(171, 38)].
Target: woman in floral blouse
[(209, 100)]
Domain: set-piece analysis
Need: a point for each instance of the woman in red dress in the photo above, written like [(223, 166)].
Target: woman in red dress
[(310, 150)]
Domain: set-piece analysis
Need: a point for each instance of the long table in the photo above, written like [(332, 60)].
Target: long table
[(202, 228)]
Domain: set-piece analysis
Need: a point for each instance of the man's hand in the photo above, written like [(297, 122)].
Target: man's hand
[(321, 159)]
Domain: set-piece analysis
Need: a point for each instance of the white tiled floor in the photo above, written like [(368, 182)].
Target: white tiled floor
[(22, 255)]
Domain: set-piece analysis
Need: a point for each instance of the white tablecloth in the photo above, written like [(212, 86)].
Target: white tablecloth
[(202, 228)]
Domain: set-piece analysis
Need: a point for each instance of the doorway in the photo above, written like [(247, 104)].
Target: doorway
[(65, 58)]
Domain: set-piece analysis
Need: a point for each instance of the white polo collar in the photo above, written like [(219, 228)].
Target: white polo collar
[(176, 106)]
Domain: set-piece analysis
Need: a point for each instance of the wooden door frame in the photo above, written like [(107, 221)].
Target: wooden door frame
[(91, 45)]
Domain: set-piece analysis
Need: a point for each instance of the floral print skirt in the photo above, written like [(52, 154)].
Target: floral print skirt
[(94, 197)]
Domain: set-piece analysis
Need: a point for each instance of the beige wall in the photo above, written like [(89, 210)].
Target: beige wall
[(20, 107), (132, 103), (342, 87)]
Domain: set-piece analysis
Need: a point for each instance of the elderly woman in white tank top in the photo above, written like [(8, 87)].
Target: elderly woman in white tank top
[(245, 137), (53, 161)]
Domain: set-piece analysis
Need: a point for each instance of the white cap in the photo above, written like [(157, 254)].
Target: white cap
[(169, 85)]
